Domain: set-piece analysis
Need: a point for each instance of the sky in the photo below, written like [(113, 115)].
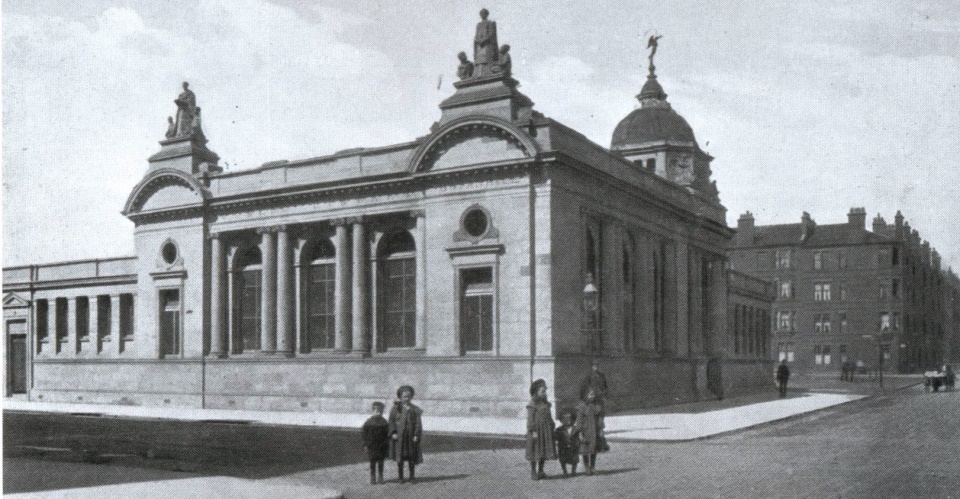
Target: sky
[(806, 106)]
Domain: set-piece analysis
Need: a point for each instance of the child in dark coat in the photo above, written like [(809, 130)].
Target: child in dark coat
[(540, 427), (406, 428), (376, 439), (567, 437), (590, 422)]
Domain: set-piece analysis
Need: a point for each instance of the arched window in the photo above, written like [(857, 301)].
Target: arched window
[(318, 297), (247, 292), (398, 290)]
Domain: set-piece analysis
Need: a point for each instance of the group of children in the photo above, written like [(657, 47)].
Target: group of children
[(397, 437), (580, 433)]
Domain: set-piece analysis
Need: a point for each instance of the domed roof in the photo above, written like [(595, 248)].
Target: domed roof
[(655, 121)]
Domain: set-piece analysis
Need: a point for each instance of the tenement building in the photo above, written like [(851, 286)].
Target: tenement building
[(875, 298), (499, 248)]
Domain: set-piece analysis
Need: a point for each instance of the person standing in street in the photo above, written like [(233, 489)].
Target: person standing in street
[(376, 440), (540, 428), (406, 428), (597, 381), (783, 376)]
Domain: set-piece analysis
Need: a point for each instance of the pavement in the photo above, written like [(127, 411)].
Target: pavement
[(682, 423)]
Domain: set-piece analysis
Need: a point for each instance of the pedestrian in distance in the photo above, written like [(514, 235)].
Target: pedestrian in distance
[(590, 421), (783, 376), (540, 428), (376, 440), (844, 370), (567, 437), (949, 378), (596, 380), (406, 428)]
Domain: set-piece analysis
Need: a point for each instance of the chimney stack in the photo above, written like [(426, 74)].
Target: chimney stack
[(857, 218), (879, 225), (745, 229), (808, 226), (898, 226)]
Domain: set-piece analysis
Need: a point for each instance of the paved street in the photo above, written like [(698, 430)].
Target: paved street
[(901, 444)]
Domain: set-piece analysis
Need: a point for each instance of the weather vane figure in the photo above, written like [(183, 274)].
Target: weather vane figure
[(652, 45)]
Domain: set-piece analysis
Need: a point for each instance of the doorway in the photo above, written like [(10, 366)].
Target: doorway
[(17, 357)]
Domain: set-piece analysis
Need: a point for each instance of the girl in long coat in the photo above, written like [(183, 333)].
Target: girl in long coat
[(540, 427), (406, 428), (590, 422)]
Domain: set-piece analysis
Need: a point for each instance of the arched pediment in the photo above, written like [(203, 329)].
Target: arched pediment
[(165, 188), (471, 141)]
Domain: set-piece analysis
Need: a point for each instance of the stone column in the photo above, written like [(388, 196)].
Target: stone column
[(115, 324), (93, 323), (420, 238), (268, 291), (218, 293), (284, 293), (717, 343), (72, 342), (359, 299), (342, 287)]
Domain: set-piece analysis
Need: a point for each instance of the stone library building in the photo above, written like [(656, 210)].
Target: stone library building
[(500, 247), (876, 297)]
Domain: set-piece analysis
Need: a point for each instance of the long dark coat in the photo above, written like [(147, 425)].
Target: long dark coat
[(405, 423), (590, 422), (376, 437), (568, 444), (540, 420)]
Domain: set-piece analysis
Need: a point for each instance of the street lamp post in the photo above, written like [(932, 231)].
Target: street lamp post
[(591, 304)]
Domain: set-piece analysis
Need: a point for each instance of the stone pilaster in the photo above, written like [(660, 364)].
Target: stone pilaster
[(53, 343), (93, 319), (218, 293), (682, 328), (420, 239)]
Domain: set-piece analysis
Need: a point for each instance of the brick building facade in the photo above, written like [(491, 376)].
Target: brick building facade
[(845, 293)]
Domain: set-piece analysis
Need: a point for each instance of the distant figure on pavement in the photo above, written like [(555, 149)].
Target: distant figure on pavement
[(596, 380), (949, 378), (783, 376), (376, 440), (406, 427)]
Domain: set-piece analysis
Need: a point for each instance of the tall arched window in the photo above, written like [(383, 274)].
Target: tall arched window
[(318, 297), (247, 292), (398, 290)]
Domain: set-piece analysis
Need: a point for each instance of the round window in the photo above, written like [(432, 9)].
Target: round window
[(169, 252), (475, 222)]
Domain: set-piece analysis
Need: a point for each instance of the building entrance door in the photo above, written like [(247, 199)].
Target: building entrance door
[(17, 357)]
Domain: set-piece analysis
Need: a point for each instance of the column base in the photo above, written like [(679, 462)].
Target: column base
[(358, 353), (284, 353), (217, 355)]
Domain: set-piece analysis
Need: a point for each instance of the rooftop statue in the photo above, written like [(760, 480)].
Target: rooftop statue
[(505, 65), (485, 46), (652, 44), (465, 70), (186, 109)]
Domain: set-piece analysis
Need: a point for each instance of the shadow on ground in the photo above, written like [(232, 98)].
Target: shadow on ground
[(153, 449)]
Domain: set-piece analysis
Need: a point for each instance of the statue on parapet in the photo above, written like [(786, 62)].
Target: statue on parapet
[(186, 110), (465, 69), (485, 46), (504, 65), (171, 128)]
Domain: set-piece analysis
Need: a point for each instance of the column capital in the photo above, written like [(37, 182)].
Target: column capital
[(420, 213), (336, 222), (358, 219), (216, 235)]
